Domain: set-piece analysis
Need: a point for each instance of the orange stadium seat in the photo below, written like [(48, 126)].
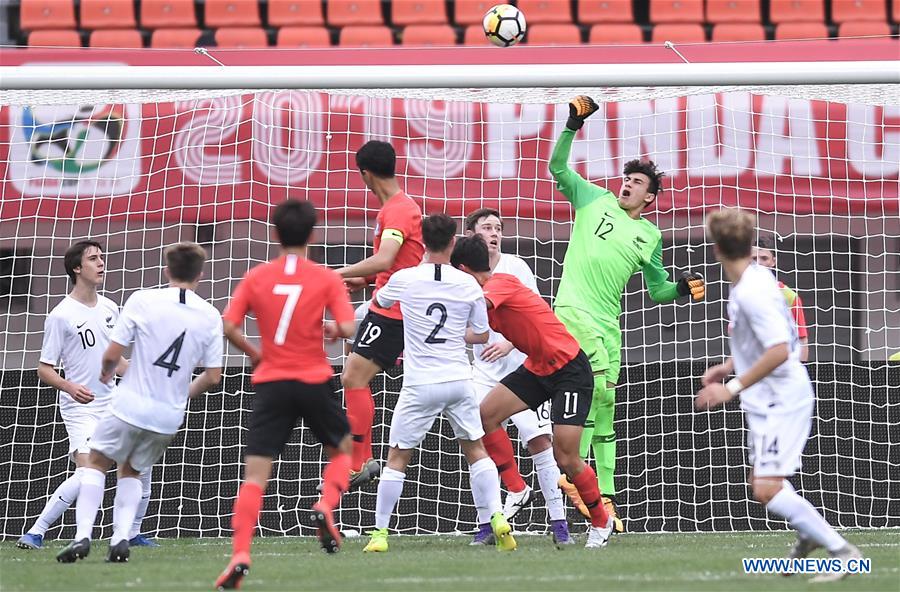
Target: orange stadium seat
[(863, 29), (175, 38), (621, 34), (733, 11), (553, 34), (793, 11), (429, 35), (292, 13), (469, 12), (303, 37), (591, 12), (546, 11), (366, 36), (241, 37), (232, 13), (119, 38), (739, 32), (801, 31), (54, 38), (676, 11), (679, 33), (354, 12), (107, 14), (474, 35), (157, 14), (410, 12), (47, 14), (843, 11)]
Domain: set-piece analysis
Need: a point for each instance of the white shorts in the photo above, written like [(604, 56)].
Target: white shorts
[(776, 441), (419, 405), (80, 424), (121, 442), (530, 423)]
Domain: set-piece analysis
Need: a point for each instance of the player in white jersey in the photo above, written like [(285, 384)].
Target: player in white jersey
[(498, 358), (775, 390), (76, 334), (440, 305), (172, 331)]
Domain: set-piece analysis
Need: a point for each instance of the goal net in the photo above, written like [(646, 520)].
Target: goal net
[(140, 169)]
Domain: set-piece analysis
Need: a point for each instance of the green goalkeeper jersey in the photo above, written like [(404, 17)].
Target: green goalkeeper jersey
[(607, 246)]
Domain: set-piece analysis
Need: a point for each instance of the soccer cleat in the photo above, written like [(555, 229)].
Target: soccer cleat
[(559, 530), (142, 541), (378, 541), (572, 492), (234, 574), (30, 541), (502, 533), (329, 537), (801, 549), (119, 553), (484, 536), (74, 551), (369, 472), (613, 510), (845, 554), (516, 502), (598, 536)]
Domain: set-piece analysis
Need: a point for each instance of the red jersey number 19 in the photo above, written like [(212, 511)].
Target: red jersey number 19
[(292, 291)]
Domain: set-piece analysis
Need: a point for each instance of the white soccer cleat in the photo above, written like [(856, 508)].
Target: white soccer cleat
[(516, 502), (845, 553), (801, 549), (598, 537)]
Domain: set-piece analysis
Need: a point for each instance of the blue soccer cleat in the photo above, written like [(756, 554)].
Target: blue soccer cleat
[(142, 541), (30, 541)]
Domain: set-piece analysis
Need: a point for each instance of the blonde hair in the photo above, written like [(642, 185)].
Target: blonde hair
[(732, 230)]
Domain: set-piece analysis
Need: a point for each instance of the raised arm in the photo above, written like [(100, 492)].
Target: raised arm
[(573, 186)]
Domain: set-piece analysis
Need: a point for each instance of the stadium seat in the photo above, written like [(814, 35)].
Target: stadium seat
[(303, 37), (793, 11), (175, 38), (54, 38), (293, 13), (676, 11), (470, 12), (553, 34), (843, 11), (474, 35), (366, 36), (621, 34), (410, 12), (118, 38), (429, 35), (679, 33), (158, 14), (107, 14), (732, 11), (47, 14), (592, 12), (241, 38), (863, 29), (546, 11), (801, 31), (354, 12), (232, 13), (739, 32), (896, 13)]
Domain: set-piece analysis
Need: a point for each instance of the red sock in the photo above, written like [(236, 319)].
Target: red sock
[(360, 414), (500, 448), (586, 484), (246, 514), (336, 479)]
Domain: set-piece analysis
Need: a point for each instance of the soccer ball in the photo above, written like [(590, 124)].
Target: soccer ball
[(504, 25)]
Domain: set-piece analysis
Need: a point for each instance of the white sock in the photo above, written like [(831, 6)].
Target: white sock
[(128, 496), (64, 496), (390, 488), (804, 517), (485, 483), (548, 476), (89, 499), (145, 478)]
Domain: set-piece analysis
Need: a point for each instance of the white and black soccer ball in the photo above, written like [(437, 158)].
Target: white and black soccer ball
[(504, 25)]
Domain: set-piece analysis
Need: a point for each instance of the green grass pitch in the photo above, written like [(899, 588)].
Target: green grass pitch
[(630, 562)]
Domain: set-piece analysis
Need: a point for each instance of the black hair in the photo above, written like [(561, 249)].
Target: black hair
[(377, 157), (765, 242), (438, 231), (294, 221), (74, 254), (472, 252), (647, 167)]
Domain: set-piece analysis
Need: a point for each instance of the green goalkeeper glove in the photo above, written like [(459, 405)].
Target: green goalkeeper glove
[(691, 283), (580, 108)]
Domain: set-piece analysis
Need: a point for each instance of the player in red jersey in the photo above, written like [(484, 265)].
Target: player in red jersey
[(379, 340), (291, 373), (556, 370)]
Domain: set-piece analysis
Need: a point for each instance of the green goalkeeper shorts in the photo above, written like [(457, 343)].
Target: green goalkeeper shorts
[(601, 341)]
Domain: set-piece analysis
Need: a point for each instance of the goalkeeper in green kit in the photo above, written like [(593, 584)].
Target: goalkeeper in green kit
[(610, 242)]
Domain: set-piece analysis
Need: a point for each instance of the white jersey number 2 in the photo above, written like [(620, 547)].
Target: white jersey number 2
[(292, 291)]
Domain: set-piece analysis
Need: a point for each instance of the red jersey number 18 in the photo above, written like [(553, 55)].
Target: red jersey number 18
[(292, 291)]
